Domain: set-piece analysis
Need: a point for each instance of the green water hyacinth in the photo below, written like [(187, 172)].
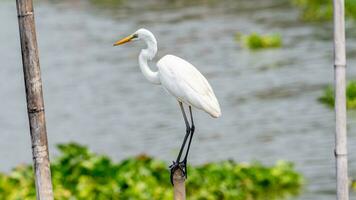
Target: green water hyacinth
[(256, 41), (322, 10), (328, 96), (80, 174)]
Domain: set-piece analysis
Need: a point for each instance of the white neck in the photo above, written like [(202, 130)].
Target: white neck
[(148, 54)]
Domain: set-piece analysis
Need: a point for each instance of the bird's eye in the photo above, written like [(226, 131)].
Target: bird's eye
[(135, 35)]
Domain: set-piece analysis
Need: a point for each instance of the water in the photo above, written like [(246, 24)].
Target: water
[(96, 95)]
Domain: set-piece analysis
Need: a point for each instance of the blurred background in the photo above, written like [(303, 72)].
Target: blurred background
[(96, 95)]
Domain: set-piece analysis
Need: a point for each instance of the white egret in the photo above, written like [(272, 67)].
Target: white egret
[(182, 80)]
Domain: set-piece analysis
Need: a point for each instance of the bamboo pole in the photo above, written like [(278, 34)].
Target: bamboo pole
[(34, 96), (340, 101), (179, 184)]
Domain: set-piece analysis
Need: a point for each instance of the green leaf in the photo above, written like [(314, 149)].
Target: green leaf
[(79, 174)]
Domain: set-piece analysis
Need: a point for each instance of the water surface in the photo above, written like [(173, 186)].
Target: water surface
[(96, 95)]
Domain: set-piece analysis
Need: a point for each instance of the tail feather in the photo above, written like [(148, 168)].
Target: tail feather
[(211, 106)]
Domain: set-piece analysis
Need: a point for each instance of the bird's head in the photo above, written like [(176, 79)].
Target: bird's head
[(142, 33)]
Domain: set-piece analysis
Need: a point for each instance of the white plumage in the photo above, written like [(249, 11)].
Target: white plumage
[(180, 78)]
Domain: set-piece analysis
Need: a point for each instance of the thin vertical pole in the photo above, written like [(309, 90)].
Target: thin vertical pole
[(340, 101), (179, 185), (34, 96)]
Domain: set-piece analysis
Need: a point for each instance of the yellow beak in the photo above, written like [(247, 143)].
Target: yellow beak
[(124, 40)]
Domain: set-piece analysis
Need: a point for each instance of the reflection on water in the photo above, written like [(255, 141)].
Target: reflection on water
[(96, 95)]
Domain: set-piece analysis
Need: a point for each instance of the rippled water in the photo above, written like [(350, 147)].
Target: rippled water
[(96, 95)]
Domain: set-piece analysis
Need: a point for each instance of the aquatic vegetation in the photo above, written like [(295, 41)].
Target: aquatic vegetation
[(321, 10), (328, 96), (80, 174), (256, 41), (107, 3), (353, 185)]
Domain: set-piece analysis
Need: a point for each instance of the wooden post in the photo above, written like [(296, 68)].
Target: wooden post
[(179, 185), (35, 105), (340, 101)]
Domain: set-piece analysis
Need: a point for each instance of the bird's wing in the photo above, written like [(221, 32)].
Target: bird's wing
[(185, 82)]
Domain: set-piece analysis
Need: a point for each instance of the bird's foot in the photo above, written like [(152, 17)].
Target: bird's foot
[(178, 165)]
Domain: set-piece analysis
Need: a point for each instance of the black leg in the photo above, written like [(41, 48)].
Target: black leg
[(192, 129), (177, 164), (186, 134)]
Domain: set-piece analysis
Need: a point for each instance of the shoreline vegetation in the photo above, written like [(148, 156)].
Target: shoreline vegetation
[(327, 97), (255, 41), (321, 10), (80, 174)]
